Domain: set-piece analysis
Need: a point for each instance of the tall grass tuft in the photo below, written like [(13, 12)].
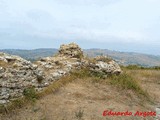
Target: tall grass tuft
[(126, 81)]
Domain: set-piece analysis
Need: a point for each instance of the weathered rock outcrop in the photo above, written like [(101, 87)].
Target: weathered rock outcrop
[(71, 50), (68, 58), (105, 65), (17, 74)]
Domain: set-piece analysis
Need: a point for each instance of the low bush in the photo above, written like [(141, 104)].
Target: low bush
[(30, 94)]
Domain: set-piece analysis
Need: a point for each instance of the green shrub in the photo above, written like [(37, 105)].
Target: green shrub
[(30, 94), (156, 67), (100, 75)]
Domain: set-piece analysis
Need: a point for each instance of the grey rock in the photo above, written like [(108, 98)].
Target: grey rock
[(71, 50), (2, 70), (110, 67), (56, 75), (3, 101)]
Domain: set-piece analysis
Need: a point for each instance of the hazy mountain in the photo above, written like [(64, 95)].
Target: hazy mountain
[(31, 54), (124, 58), (127, 58)]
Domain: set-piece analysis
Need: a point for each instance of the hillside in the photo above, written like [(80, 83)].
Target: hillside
[(85, 98), (70, 86), (124, 58)]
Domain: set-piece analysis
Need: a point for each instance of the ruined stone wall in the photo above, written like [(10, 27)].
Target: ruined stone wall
[(17, 74)]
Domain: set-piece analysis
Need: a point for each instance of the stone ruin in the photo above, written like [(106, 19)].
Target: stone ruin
[(71, 50), (105, 65), (17, 74)]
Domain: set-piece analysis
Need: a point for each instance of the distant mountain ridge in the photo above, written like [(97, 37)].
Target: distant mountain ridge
[(124, 58), (31, 55), (127, 58)]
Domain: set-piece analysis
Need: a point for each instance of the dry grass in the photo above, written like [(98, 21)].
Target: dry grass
[(149, 79), (81, 99), (83, 87), (127, 82), (30, 97), (124, 81), (56, 85), (15, 104), (7, 64)]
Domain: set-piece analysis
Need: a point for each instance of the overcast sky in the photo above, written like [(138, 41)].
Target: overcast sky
[(123, 25)]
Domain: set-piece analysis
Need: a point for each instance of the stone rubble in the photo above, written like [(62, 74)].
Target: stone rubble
[(17, 74), (108, 68), (71, 50)]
